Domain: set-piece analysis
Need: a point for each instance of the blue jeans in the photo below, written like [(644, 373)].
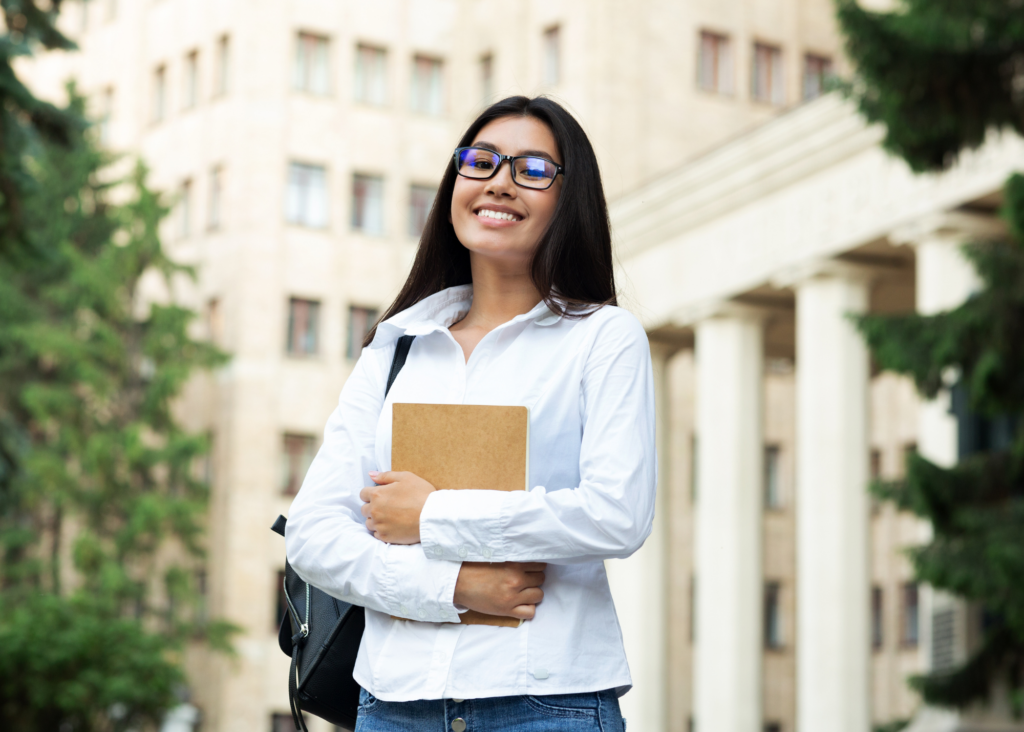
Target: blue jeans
[(593, 712)]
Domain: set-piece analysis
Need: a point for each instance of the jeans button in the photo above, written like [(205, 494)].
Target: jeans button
[(458, 725)]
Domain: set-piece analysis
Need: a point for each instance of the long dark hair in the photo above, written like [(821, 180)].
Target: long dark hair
[(572, 265)]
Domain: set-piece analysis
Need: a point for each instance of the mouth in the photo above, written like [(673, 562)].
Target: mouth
[(491, 214)]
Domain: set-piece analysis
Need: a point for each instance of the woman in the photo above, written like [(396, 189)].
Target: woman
[(512, 302)]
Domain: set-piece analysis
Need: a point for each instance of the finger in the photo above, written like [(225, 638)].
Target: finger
[(370, 525), (386, 477), (530, 596), (533, 579), (365, 509), (365, 494), (532, 566), (524, 612)]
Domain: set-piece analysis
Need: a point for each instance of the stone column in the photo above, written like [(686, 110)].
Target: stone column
[(832, 502), (727, 643), (639, 585)]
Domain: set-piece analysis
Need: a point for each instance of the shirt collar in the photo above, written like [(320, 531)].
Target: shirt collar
[(441, 310)]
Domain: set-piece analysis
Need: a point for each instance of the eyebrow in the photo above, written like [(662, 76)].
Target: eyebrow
[(494, 148)]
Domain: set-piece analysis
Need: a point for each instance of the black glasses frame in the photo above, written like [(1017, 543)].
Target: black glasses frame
[(559, 170)]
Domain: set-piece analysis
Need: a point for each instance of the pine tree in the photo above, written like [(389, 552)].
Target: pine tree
[(101, 508), (942, 76), (24, 119)]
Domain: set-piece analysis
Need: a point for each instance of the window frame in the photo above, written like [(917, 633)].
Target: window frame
[(826, 66), (312, 315), (552, 71), (309, 46), (305, 196), (772, 620), (354, 344), (775, 94), (427, 104), (364, 75), (723, 74), (356, 223)]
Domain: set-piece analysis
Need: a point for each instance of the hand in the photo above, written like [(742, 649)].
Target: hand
[(510, 589), (393, 507)]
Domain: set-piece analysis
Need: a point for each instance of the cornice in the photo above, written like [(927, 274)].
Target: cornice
[(775, 154)]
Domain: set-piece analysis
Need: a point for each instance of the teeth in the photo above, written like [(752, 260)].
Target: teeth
[(489, 214)]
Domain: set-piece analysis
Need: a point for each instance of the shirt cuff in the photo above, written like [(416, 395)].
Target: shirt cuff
[(464, 525), (418, 589)]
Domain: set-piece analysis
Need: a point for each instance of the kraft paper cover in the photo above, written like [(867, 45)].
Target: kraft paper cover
[(458, 446)]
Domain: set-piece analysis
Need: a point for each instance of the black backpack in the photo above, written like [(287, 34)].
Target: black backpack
[(321, 633)]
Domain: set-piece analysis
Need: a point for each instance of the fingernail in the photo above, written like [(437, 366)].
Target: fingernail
[(374, 473)]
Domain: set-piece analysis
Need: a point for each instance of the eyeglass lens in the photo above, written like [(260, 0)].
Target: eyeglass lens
[(530, 172)]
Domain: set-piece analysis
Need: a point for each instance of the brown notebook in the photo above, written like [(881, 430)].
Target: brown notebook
[(455, 446)]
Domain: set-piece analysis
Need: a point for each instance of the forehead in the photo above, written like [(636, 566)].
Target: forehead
[(516, 135)]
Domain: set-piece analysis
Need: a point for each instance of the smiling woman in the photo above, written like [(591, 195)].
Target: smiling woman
[(511, 301)]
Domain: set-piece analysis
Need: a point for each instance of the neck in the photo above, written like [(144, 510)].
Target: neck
[(499, 294)]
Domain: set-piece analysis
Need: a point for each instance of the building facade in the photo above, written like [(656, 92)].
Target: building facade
[(302, 140)]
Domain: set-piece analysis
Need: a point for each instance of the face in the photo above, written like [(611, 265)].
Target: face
[(511, 238)]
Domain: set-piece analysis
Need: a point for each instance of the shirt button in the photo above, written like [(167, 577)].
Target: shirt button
[(463, 551), (487, 552), (458, 725), (404, 609), (420, 614), (540, 674), (458, 701), (438, 551)]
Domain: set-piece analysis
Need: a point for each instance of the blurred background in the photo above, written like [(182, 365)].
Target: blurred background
[(790, 186)]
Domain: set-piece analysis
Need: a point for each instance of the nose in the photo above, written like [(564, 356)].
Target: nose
[(502, 184)]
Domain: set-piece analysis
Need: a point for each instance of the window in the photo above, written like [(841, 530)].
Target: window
[(816, 70), (772, 487), (202, 595), (296, 457), (693, 608), (360, 321), (311, 72), (773, 727), (766, 79), (191, 90), (159, 93), (216, 195), (486, 77), (303, 326), (215, 321), (877, 618), (910, 614), (909, 450), (772, 615), (282, 723), (371, 75), (421, 198), (552, 56), (427, 91), (875, 471), (185, 209), (368, 204), (306, 202), (714, 65), (222, 76), (106, 115)]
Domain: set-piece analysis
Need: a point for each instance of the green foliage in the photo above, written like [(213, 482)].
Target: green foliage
[(26, 121), (939, 74), (891, 726), (977, 507), (101, 509)]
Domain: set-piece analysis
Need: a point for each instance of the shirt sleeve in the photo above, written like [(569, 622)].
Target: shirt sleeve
[(328, 544), (609, 514)]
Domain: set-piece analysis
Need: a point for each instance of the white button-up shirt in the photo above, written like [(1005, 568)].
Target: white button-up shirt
[(588, 385)]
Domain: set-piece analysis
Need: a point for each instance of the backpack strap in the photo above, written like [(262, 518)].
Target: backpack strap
[(401, 353)]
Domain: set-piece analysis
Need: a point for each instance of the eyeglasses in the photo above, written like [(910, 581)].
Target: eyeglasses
[(528, 171)]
